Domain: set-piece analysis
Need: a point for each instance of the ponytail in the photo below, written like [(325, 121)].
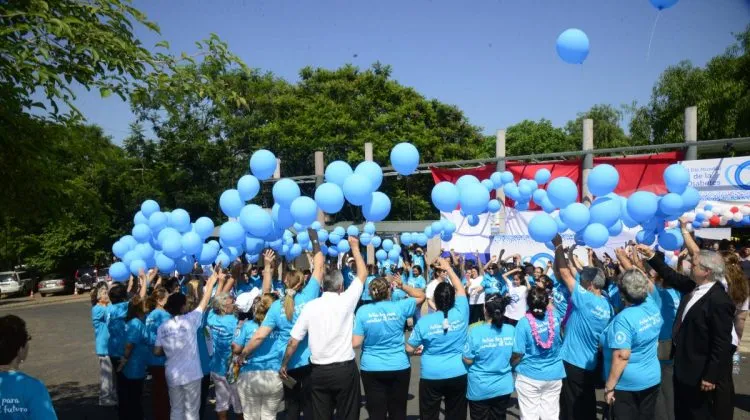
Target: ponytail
[(445, 298), (294, 282), (495, 306), (158, 294), (537, 301)]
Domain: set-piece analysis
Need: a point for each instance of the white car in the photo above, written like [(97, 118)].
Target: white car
[(15, 282)]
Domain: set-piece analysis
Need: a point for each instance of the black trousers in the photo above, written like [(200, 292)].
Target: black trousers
[(205, 384), (490, 409), (476, 313), (119, 378), (690, 403), (723, 399), (578, 394), (297, 399), (635, 405), (132, 393), (386, 393), (335, 386), (432, 391)]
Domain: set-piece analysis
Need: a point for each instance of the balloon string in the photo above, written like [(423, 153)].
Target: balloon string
[(651, 38)]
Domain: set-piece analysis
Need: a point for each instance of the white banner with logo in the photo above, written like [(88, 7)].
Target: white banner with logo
[(725, 179)]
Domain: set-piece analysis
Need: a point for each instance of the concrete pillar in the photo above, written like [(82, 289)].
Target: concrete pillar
[(691, 132), (498, 225), (370, 249), (277, 172), (588, 159), (320, 168)]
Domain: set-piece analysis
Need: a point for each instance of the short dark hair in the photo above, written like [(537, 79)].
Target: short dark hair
[(13, 336), (175, 303), (172, 284), (118, 293)]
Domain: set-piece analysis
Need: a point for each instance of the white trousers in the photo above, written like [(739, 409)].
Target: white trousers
[(185, 401), (226, 394), (107, 390), (261, 394), (538, 400)]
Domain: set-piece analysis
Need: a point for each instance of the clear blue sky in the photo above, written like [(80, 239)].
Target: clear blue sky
[(495, 60)]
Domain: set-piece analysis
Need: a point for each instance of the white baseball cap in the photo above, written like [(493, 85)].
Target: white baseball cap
[(245, 300)]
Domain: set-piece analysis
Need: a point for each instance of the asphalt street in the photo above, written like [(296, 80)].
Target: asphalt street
[(62, 356)]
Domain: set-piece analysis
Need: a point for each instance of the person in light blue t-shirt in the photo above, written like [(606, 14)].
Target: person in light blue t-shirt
[(487, 352), (440, 337), (154, 319), (100, 320), (536, 355), (23, 396), (631, 365), (378, 329), (135, 359), (589, 315), (222, 322), (668, 300)]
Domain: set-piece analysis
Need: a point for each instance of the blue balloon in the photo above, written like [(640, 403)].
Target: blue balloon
[(676, 178), (561, 226), (603, 179), (222, 259), (547, 206), (511, 190), (381, 255), (172, 247), (370, 228), (448, 226), (340, 230), (365, 238), (130, 256), (376, 241), (542, 176), (524, 192), (204, 227), (333, 252), (168, 233), (371, 171), (506, 177), (157, 222), (488, 184), (404, 158), (141, 233), (474, 199), (231, 203), (352, 231), (645, 237), (119, 271), (343, 246), (465, 180), (421, 239), (690, 199), (255, 245), (642, 206), (595, 235), (573, 46), (322, 235), (232, 233), (285, 191), (120, 248), (394, 256), (192, 243), (576, 216), (256, 221), (139, 218), (263, 164), (136, 266), (437, 227), (615, 229), (445, 196), (428, 231), (542, 228), (248, 186), (671, 204), (387, 245), (334, 238), (281, 216), (471, 219), (315, 225), (494, 206), (377, 208), (180, 220), (337, 172), (357, 189), (406, 238), (304, 210), (624, 215), (149, 207), (446, 237), (145, 251), (164, 264), (522, 206), (605, 210), (663, 4), (562, 191), (671, 239), (539, 196), (497, 179)]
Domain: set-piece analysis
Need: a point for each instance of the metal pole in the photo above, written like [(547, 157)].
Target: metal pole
[(588, 159), (499, 221), (691, 132), (277, 171), (319, 171), (370, 248)]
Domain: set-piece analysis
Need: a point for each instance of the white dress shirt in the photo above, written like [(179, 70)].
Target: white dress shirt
[(698, 293), (328, 322), (177, 337)]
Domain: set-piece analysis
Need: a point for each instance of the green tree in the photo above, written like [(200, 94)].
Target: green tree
[(607, 130), (532, 137)]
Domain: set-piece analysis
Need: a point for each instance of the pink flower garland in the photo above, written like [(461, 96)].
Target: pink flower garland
[(550, 330)]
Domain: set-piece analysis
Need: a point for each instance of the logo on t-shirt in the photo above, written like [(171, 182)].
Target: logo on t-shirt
[(620, 337), (12, 406)]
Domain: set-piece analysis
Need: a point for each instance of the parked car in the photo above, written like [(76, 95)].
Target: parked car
[(55, 283), (87, 277), (16, 282), (103, 275)]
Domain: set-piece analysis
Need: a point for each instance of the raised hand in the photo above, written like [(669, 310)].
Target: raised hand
[(269, 256)]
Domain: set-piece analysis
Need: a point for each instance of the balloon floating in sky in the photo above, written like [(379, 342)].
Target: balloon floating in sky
[(663, 4), (405, 158), (263, 164), (573, 46)]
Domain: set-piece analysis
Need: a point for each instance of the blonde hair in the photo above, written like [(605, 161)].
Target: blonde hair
[(158, 294), (294, 280), (737, 287), (378, 289), (262, 307), (194, 294)]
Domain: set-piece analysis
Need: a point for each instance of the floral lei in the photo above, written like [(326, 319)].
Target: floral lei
[(550, 330)]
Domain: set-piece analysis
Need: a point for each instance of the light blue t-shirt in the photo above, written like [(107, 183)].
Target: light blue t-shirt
[(494, 284), (267, 356), (348, 276), (636, 328), (153, 321), (490, 348), (277, 321), (203, 336), (539, 363), (278, 286), (24, 398), (415, 282), (385, 266), (589, 317), (441, 358), (614, 297), (418, 259), (137, 337), (366, 290), (560, 297), (222, 329), (668, 301), (100, 317), (116, 326), (382, 326)]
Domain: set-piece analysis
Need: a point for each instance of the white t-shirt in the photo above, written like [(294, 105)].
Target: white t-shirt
[(517, 307), (179, 339), (430, 291), (745, 306), (476, 298)]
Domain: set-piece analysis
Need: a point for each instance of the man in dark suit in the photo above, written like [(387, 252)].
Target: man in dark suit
[(701, 336)]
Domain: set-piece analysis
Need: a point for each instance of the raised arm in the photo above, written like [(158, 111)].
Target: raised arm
[(209, 286), (268, 258), (622, 257), (670, 277), (561, 265), (690, 244), (417, 294), (479, 263), (318, 260), (358, 260), (455, 281)]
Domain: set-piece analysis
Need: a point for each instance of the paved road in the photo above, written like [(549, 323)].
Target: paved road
[(62, 356)]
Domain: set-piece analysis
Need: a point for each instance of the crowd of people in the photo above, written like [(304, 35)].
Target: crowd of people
[(658, 339)]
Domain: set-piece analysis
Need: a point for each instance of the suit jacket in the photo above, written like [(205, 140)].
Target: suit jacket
[(702, 344)]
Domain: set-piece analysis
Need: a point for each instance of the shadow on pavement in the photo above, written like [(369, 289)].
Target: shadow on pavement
[(742, 402), (73, 401)]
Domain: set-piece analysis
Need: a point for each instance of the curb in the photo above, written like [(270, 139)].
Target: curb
[(44, 302)]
